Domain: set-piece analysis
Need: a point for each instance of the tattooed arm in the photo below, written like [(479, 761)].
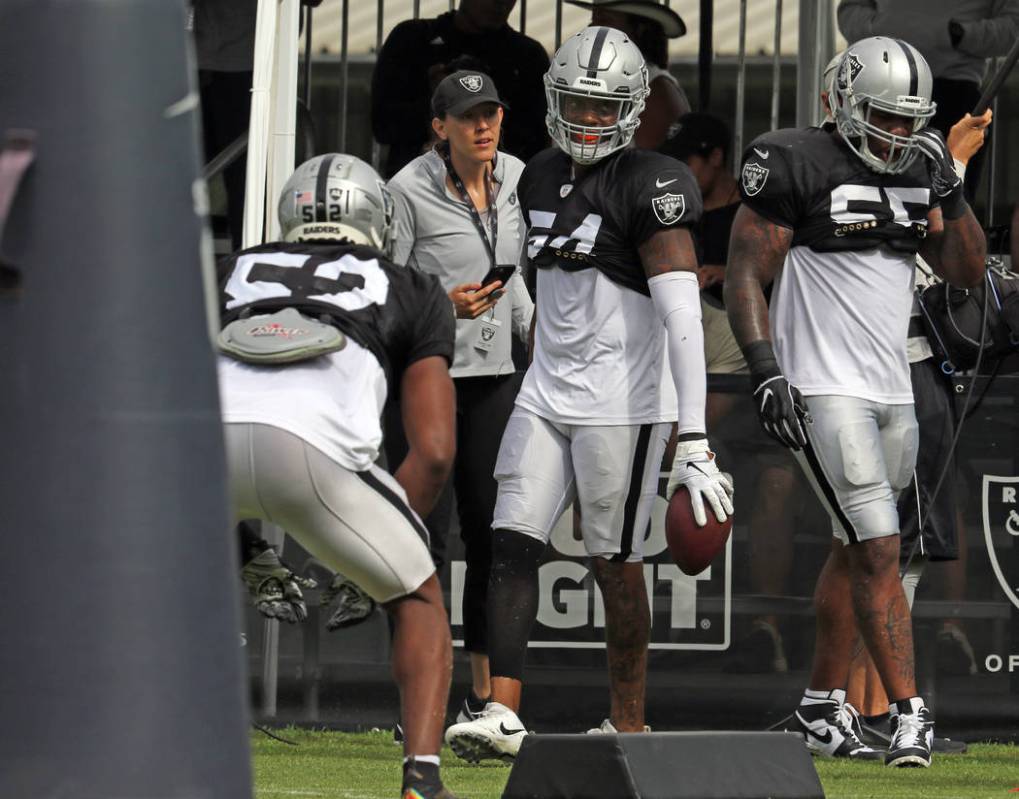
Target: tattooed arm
[(955, 248), (668, 250), (757, 250)]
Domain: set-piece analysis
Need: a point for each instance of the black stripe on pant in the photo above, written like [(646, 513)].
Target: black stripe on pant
[(830, 496), (633, 493)]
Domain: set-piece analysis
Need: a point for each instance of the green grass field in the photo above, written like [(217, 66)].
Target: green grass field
[(333, 765)]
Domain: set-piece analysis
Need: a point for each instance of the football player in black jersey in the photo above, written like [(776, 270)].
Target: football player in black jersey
[(616, 278), (303, 433), (835, 218)]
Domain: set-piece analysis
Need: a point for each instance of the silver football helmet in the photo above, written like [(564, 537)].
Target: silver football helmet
[(889, 76), (337, 197), (596, 65)]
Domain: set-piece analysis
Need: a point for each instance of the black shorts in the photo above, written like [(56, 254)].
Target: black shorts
[(935, 415)]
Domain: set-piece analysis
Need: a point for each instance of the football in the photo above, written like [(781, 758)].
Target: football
[(693, 547)]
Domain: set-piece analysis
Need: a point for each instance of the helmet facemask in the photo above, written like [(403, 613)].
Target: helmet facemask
[(587, 144), (857, 131)]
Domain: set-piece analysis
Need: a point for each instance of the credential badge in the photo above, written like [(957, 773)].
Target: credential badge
[(471, 83), (669, 208), (754, 177)]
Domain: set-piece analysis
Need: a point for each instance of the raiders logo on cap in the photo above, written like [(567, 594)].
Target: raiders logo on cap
[(472, 83)]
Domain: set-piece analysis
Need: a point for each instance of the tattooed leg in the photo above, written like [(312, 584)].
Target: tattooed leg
[(882, 613), (627, 629)]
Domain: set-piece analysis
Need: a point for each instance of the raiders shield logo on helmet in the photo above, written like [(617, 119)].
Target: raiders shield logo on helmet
[(669, 208), (1001, 530), (754, 177), (851, 67), (471, 83)]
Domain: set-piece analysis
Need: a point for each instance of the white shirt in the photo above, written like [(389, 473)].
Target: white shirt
[(839, 322), (598, 355), (333, 402)]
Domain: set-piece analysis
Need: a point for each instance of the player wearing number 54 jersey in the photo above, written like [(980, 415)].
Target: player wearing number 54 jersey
[(303, 430), (835, 217), (610, 250)]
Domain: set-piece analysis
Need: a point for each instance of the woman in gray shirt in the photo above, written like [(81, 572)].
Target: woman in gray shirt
[(457, 217)]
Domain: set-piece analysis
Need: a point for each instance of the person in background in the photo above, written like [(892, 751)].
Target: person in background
[(955, 38), (650, 25), (224, 33), (318, 329), (416, 56), (457, 217)]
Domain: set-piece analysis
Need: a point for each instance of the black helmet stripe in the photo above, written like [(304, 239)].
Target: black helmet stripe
[(914, 76), (599, 42), (321, 214)]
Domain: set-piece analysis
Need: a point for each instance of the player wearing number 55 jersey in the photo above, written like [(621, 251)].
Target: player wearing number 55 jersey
[(835, 217), (610, 249), (303, 433)]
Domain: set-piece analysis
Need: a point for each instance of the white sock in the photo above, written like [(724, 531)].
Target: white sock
[(811, 697), (433, 759)]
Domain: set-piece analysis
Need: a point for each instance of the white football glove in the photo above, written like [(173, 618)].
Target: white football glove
[(694, 466)]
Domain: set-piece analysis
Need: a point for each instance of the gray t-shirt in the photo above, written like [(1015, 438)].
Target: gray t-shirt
[(434, 232)]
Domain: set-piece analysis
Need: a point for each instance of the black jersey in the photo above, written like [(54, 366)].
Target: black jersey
[(400, 315), (807, 179), (599, 220)]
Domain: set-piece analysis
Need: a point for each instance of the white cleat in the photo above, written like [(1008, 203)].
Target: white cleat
[(496, 734)]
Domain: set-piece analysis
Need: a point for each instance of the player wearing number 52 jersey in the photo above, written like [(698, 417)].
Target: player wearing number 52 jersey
[(302, 435), (613, 262), (835, 217)]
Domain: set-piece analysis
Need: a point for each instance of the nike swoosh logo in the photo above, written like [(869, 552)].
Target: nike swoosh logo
[(660, 185), (765, 397), (504, 731), (762, 153), (695, 467), (825, 739)]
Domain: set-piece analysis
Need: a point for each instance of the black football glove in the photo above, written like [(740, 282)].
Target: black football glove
[(945, 181), (781, 408)]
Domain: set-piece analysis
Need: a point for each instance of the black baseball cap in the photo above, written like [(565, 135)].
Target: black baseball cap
[(461, 91), (699, 133)]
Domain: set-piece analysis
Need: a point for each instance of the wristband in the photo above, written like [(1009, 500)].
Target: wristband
[(953, 204), (760, 357)]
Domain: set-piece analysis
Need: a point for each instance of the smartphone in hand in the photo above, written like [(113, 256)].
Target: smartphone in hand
[(502, 272)]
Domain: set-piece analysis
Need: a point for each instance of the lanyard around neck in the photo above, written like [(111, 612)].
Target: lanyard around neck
[(493, 216)]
